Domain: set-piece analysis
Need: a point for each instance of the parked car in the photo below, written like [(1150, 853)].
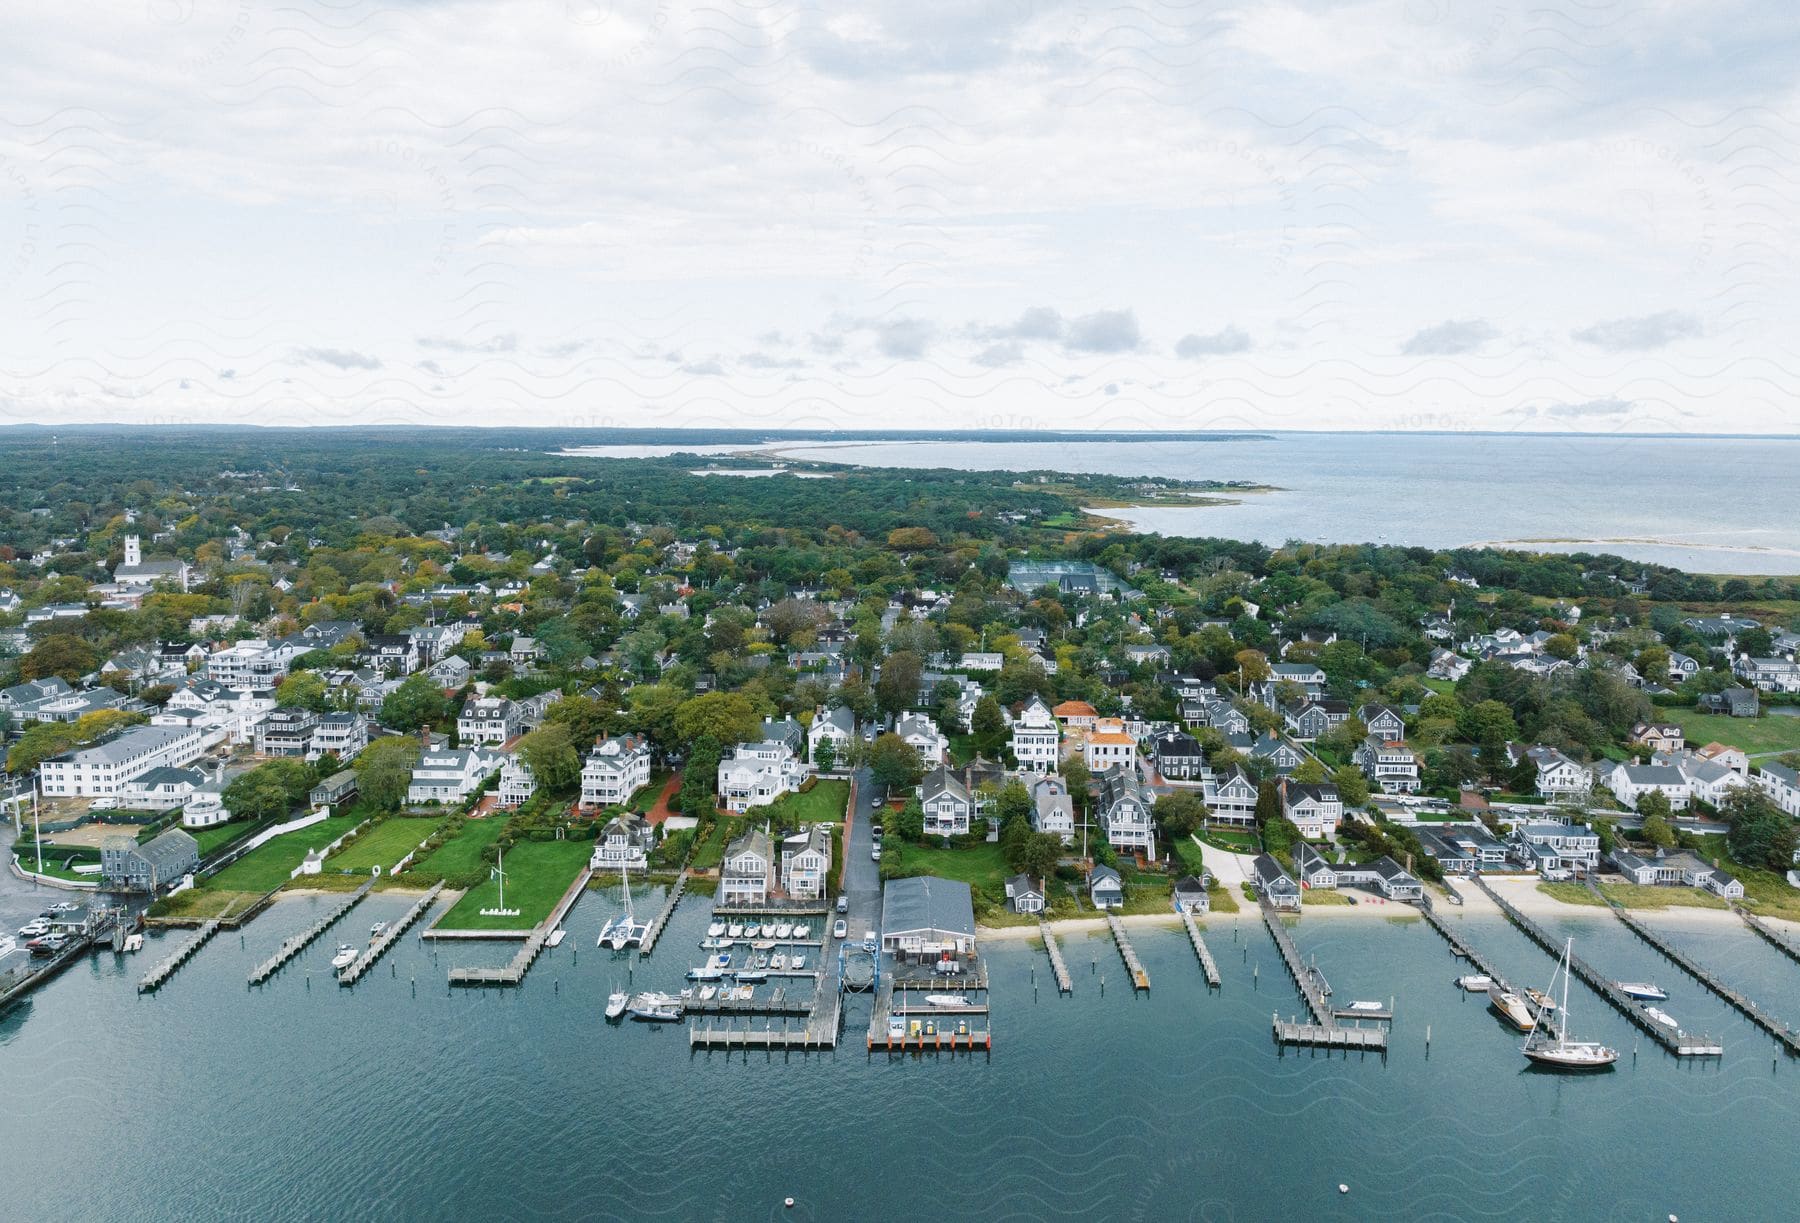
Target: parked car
[(875, 854), (103, 804), (840, 928), (875, 831), (843, 903), (875, 803)]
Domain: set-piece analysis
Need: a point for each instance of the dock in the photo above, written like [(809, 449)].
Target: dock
[(387, 938), (1768, 932), (294, 945), (163, 971), (820, 1032), (1681, 1044), (777, 1003), (514, 971), (1462, 949), (1751, 1011), (1057, 968), (655, 928), (1139, 978), (1207, 965), (1325, 1031)]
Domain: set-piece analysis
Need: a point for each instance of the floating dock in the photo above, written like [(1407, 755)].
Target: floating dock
[(820, 1032), (1057, 968), (655, 929), (1325, 1031), (1329, 1035), (163, 971), (294, 945), (1778, 940), (1207, 965), (777, 1003), (1139, 978), (515, 970), (1756, 1015), (387, 938), (1681, 1044)]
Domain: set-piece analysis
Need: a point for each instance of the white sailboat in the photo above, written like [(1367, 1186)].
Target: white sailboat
[(623, 930), (1562, 1052)]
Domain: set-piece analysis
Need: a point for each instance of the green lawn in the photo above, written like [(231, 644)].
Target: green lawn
[(1323, 896), (1190, 855), (382, 844), (710, 852), (1770, 733), (1570, 893), (267, 867), (647, 794), (980, 865), (537, 874), (203, 903), (823, 804), (1635, 896), (219, 835), (1232, 840), (461, 855)]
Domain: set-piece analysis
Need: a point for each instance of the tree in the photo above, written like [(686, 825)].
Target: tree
[(988, 725), (1040, 853), (897, 687), (1352, 786), (40, 741), (1523, 777), (1013, 802), (301, 690), (1761, 834), (1253, 665), (724, 717), (60, 654), (384, 771), (586, 717), (1178, 814), (92, 727), (1078, 777), (1653, 803), (549, 752), (417, 702), (1310, 772), (895, 763), (1658, 832), (825, 755), (1565, 647), (909, 823)]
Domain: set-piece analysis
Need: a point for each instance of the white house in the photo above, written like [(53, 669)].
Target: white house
[(806, 862), (1107, 744), (451, 774), (614, 771), (1557, 775), (755, 774), (105, 768), (487, 719), (1231, 796), (1053, 808), (1389, 765), (626, 841), (745, 869), (923, 736), (1631, 781), (1781, 784), (1034, 737), (838, 724), (1316, 810), (1124, 811), (517, 783)]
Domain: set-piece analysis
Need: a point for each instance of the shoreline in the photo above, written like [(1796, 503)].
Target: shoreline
[(1364, 908)]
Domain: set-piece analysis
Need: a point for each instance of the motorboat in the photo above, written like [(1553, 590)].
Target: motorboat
[(616, 1003), (706, 973), (1475, 983), (763, 944), (1564, 1052), (1642, 991), (778, 961), (1366, 1008), (802, 929), (1511, 1007), (736, 930), (346, 956), (784, 930), (947, 999), (1663, 1017), (714, 944), (762, 960), (716, 930), (798, 961), (708, 992), (722, 960), (556, 937), (750, 976), (655, 1008), (1539, 1000), (752, 929), (377, 930)]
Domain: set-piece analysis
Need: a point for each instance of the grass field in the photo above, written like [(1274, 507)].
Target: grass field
[(1323, 896), (219, 835), (711, 851), (537, 874), (980, 865), (382, 844), (823, 804), (1570, 893), (202, 903), (462, 854), (267, 867), (648, 793), (1232, 840), (1769, 733)]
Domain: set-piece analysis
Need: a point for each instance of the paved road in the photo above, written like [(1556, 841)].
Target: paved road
[(862, 876)]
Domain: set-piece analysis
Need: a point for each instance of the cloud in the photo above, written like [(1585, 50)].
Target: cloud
[(1218, 344), (762, 360), (1105, 331), (504, 342), (338, 358), (708, 368), (1003, 353), (1640, 333), (1036, 323), (1591, 407), (1450, 338)]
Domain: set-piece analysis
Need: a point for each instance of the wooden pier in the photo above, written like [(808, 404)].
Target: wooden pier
[(1330, 1035), (655, 929), (1681, 1044), (777, 1003), (163, 971), (387, 938), (1462, 949), (1139, 978), (820, 1032), (515, 970), (1754, 1013), (1325, 1031), (1057, 968), (1775, 937), (1207, 965), (294, 945)]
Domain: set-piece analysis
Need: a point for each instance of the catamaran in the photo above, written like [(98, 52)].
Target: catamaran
[(1562, 1052), (623, 930)]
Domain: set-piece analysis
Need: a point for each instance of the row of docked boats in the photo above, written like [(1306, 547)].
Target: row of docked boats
[(1544, 1017), (778, 931)]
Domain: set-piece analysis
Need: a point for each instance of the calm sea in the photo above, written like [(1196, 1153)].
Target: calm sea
[(403, 1101), (1706, 505)]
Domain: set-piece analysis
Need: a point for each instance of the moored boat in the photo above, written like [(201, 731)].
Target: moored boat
[(556, 937), (655, 1008), (1663, 1017), (1642, 991), (715, 930), (346, 956), (1511, 1007), (778, 961), (947, 999), (798, 962), (784, 929), (1563, 1051), (616, 1003), (735, 930), (1366, 1007), (802, 929), (1475, 982)]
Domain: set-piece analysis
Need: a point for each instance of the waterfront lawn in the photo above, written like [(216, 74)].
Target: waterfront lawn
[(1571, 893), (1769, 733), (1221, 899), (461, 856), (383, 844), (1146, 894), (218, 836), (1766, 893), (980, 866), (721, 832), (1635, 896), (1323, 896), (1232, 840), (823, 804), (537, 874), (267, 867), (204, 903)]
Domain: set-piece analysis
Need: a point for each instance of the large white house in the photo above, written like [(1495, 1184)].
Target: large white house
[(922, 735), (837, 724), (1108, 744), (451, 774), (105, 768), (1389, 765), (1316, 810), (1630, 781), (1781, 784), (1557, 775), (615, 770), (755, 774), (806, 862), (1034, 737), (744, 872), (1053, 808), (1124, 810), (487, 719)]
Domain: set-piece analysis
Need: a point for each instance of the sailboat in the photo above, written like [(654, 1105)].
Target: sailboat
[(1562, 1052), (625, 929)]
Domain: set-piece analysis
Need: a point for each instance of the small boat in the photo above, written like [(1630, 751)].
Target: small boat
[(1642, 991), (346, 956), (763, 944), (616, 1003), (784, 930), (655, 1008), (1511, 1007), (802, 929), (706, 973), (713, 944), (1565, 1052), (738, 993), (751, 977), (947, 999), (556, 937), (377, 930), (1366, 1007), (134, 942), (778, 961), (722, 960), (762, 959), (798, 962), (735, 930), (1539, 1000), (1663, 1017), (716, 930), (708, 992), (1475, 983), (752, 929)]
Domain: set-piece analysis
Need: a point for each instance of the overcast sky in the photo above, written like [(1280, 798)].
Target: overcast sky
[(1417, 214)]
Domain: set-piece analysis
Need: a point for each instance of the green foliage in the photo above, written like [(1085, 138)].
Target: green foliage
[(384, 771), (61, 654), (301, 690), (724, 717), (550, 755), (416, 703), (1761, 834), (894, 762)]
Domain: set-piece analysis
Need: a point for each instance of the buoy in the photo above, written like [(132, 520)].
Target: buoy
[(1343, 1189), (789, 1203)]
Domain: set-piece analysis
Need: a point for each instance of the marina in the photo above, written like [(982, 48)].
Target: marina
[(513, 972), (1134, 968), (166, 969), (1681, 1044), (388, 937), (647, 943), (1464, 950), (299, 942), (1207, 965), (1769, 934), (820, 1032), (1325, 1031)]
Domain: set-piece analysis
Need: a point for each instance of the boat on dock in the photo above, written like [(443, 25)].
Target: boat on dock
[(947, 999), (784, 930), (708, 992), (1475, 983), (802, 929), (1563, 1052), (1511, 1007), (655, 1008), (1367, 1007), (346, 956), (735, 930), (716, 930), (778, 962), (616, 1002), (798, 962), (752, 929), (1663, 1017), (377, 930), (1643, 991)]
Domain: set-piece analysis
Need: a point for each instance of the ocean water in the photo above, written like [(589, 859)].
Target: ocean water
[(1709, 505), (400, 1099)]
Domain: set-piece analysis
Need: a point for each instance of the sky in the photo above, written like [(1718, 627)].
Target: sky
[(1550, 215)]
